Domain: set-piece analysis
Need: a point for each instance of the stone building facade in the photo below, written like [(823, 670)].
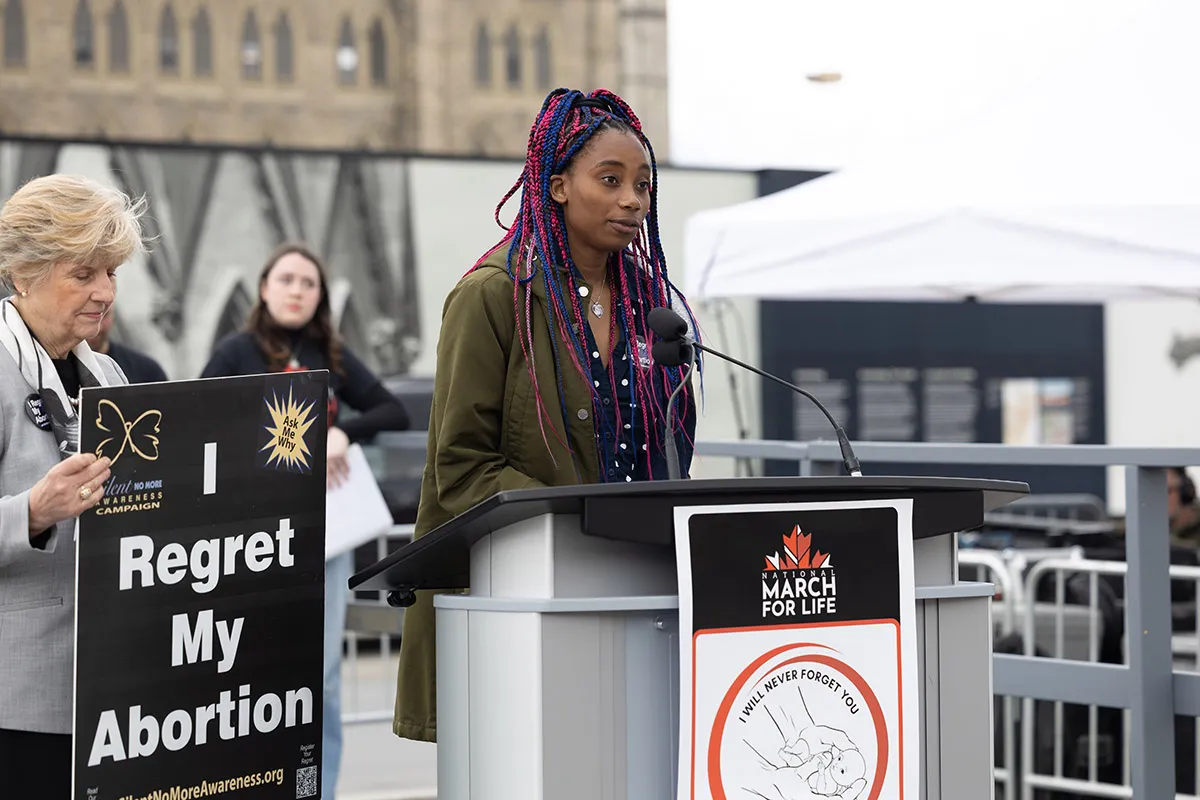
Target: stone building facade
[(454, 77)]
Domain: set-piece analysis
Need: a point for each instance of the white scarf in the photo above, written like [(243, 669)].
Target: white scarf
[(38, 370)]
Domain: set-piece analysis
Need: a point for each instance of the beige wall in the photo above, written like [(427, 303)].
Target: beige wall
[(643, 53), (51, 96), (458, 115), (432, 102)]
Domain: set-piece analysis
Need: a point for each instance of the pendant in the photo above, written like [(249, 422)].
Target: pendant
[(597, 309)]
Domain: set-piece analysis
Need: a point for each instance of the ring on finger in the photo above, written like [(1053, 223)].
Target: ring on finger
[(85, 492)]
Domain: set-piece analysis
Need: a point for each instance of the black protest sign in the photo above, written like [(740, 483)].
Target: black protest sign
[(200, 590)]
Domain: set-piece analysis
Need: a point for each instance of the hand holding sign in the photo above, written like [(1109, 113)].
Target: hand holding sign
[(69, 488), (337, 468)]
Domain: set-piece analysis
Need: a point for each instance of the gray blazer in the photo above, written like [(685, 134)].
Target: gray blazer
[(37, 587)]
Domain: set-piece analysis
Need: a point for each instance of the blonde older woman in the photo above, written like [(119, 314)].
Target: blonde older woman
[(61, 240)]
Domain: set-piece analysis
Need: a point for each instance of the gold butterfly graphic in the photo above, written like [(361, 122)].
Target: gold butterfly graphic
[(140, 435)]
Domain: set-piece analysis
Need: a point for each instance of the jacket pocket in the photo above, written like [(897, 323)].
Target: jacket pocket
[(29, 605), (517, 417)]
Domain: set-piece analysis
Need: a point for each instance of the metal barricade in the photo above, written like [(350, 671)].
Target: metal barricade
[(1005, 569), (1083, 636), (996, 567), (991, 566)]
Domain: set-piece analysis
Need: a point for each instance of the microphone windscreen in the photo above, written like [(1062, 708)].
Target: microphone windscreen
[(666, 324), (671, 353)]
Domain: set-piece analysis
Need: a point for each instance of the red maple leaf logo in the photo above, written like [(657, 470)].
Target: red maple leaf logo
[(797, 553)]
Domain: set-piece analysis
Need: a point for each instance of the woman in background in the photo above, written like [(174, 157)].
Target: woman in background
[(291, 329)]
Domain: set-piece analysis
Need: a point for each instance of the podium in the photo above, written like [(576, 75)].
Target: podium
[(558, 674)]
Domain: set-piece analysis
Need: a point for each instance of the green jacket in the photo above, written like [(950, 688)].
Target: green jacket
[(484, 438)]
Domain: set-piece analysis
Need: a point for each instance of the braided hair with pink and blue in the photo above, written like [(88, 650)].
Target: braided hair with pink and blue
[(566, 123)]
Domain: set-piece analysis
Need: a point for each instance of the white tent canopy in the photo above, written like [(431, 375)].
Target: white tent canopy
[(1083, 187)]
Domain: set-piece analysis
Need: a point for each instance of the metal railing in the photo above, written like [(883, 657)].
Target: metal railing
[(1079, 628), (1073, 507), (1145, 685)]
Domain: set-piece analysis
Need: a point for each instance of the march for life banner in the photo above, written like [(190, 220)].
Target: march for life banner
[(200, 591), (798, 651)]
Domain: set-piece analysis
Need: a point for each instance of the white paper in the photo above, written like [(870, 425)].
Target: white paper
[(355, 512)]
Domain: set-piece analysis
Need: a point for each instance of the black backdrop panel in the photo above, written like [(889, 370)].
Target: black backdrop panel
[(948, 372)]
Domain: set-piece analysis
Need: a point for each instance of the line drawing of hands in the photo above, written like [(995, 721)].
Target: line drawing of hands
[(817, 779), (813, 741), (816, 762)]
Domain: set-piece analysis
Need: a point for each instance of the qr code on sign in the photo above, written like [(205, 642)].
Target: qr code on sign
[(306, 782)]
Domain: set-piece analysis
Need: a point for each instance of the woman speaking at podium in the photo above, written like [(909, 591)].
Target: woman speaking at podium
[(62, 238), (544, 375), (291, 328)]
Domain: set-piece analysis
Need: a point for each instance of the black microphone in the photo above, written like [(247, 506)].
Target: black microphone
[(671, 353), (677, 347), (666, 324)]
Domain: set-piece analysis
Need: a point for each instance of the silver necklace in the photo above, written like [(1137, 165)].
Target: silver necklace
[(595, 306)]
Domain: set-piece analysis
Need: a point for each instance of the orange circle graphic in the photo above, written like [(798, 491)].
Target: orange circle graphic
[(718, 730)]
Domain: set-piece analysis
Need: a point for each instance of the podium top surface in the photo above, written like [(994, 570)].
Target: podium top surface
[(441, 558)]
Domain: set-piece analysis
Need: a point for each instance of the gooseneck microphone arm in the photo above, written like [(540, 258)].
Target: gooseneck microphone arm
[(848, 458), (674, 472), (676, 345)]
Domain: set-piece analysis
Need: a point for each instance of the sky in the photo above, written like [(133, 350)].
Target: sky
[(739, 97)]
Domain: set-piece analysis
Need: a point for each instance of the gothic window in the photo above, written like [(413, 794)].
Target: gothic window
[(541, 59), (83, 35), (512, 58), (14, 34), (202, 44), (483, 56), (118, 38), (283, 49), (168, 42), (251, 48), (378, 47), (347, 55)]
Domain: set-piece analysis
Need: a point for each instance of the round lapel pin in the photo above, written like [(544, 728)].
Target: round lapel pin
[(36, 411)]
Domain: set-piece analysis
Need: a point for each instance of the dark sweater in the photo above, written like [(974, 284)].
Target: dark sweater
[(359, 388), (137, 366)]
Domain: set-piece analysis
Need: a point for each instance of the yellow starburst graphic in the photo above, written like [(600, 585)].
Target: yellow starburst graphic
[(289, 422)]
